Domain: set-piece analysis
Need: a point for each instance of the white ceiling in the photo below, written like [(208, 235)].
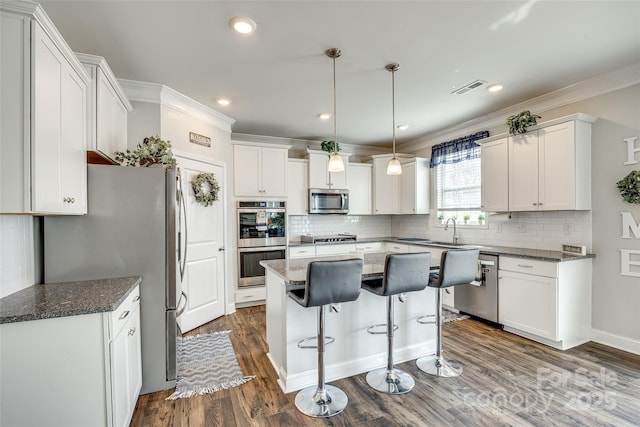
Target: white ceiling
[(279, 78)]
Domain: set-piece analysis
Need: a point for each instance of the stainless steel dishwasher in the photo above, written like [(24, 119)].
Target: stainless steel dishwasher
[(481, 300)]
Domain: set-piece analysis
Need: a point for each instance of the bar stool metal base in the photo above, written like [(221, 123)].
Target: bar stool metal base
[(316, 402), (391, 382), (439, 366)]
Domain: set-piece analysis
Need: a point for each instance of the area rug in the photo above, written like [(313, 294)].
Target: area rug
[(450, 316), (206, 363)]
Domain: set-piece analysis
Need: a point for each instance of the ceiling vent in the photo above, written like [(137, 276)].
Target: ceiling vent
[(468, 88)]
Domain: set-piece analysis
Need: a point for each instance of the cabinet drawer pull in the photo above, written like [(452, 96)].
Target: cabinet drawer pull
[(132, 330), (123, 315), (525, 266)]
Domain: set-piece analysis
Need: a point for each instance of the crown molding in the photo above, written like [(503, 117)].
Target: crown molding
[(160, 94), (304, 144), (595, 86), (96, 61)]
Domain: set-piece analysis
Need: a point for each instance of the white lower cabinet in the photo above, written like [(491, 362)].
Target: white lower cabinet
[(341, 249), (72, 371), (396, 247), (253, 295), (302, 251), (549, 302)]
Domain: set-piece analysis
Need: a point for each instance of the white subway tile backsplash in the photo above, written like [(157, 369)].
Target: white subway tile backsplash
[(533, 230), (17, 257)]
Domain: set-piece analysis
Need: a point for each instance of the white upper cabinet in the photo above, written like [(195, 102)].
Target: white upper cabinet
[(414, 198), (495, 175), (550, 168), (108, 107), (359, 188), (319, 175), (260, 170), (386, 188), (297, 192), (44, 134)]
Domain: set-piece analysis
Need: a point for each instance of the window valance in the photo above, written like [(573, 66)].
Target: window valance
[(456, 150)]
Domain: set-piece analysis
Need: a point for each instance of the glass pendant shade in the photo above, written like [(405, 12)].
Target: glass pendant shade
[(394, 167), (335, 163)]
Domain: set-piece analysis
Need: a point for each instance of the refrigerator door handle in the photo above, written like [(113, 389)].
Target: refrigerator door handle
[(180, 310), (182, 255)]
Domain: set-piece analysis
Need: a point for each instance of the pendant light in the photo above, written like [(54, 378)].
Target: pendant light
[(335, 161), (394, 167)]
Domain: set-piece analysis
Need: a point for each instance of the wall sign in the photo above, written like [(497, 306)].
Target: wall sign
[(205, 141), (630, 258)]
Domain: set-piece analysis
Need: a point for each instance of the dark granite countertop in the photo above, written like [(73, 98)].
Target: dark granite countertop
[(294, 271), (543, 255), (66, 299)]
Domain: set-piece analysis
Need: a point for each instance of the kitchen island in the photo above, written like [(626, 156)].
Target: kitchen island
[(354, 351)]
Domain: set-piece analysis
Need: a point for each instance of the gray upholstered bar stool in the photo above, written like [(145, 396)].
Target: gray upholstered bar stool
[(328, 282), (402, 273), (457, 267)]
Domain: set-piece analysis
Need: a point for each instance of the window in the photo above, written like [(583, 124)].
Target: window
[(457, 170)]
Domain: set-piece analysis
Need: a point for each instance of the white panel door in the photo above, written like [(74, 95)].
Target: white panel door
[(203, 281)]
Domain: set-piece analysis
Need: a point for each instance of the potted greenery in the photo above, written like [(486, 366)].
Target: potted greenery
[(466, 218), (152, 151), (441, 218), (480, 218), (330, 147), (518, 123)]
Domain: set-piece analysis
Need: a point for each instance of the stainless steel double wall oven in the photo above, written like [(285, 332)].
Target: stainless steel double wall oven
[(261, 236)]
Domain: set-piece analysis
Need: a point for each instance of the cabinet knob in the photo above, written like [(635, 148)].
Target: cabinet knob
[(69, 200), (221, 249), (132, 330)]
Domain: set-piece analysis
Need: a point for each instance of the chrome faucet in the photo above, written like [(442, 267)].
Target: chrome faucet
[(455, 233)]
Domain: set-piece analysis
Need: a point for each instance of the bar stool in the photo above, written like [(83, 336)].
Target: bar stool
[(457, 267), (402, 273), (328, 282)]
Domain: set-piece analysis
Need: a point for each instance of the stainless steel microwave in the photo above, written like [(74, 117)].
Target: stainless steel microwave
[(328, 201)]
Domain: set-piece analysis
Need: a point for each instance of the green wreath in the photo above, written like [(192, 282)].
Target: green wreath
[(629, 187), (205, 188)]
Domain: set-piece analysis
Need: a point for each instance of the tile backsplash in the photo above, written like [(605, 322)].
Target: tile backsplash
[(360, 225), (17, 254), (532, 230)]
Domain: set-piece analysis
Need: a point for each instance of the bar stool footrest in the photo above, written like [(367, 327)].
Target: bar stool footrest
[(327, 341), (424, 321), (371, 329)]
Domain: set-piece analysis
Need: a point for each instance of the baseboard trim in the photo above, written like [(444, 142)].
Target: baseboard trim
[(616, 341)]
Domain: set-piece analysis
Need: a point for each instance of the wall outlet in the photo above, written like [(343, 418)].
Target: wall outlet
[(499, 228), (568, 229)]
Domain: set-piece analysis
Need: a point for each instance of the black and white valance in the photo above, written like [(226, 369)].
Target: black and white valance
[(454, 151)]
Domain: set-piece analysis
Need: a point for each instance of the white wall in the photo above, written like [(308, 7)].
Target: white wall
[(18, 259)]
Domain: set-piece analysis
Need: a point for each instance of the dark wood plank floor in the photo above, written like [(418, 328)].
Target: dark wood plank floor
[(507, 380)]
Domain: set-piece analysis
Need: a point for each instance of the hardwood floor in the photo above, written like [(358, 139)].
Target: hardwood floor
[(507, 380)]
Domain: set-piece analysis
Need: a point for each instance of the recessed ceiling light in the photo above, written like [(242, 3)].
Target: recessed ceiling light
[(495, 87), (403, 126), (223, 101), (242, 25), (324, 116)]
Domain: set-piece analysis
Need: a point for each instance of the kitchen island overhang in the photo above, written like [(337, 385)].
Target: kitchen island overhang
[(354, 351)]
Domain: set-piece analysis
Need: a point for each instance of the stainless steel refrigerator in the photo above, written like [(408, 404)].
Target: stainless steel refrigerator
[(132, 229)]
